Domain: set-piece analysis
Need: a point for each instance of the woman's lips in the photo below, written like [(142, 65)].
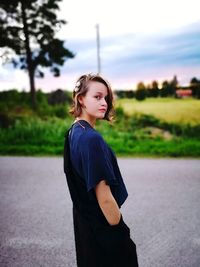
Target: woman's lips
[(102, 110)]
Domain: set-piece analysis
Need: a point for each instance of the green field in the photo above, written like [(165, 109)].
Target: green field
[(168, 109)]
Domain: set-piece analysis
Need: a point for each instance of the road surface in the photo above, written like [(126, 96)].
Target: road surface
[(162, 210)]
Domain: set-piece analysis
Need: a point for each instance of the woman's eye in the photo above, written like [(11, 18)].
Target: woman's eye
[(98, 97)]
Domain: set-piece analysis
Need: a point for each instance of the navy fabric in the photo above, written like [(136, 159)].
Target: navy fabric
[(94, 160), (94, 236)]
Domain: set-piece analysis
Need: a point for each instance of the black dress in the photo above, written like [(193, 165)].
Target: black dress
[(87, 161)]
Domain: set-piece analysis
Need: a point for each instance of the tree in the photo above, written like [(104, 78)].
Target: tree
[(195, 86), (58, 97), (164, 92), (155, 89), (148, 90), (173, 86), (120, 93), (152, 89), (140, 93), (28, 29), (129, 93)]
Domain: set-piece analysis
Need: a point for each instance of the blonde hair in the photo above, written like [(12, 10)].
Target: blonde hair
[(81, 89)]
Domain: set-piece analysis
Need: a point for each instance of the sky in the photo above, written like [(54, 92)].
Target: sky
[(142, 40)]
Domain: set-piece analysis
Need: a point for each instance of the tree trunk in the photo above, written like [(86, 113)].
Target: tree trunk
[(31, 68)]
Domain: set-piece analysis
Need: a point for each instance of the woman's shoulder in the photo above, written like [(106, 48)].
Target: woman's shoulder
[(87, 136), (91, 136)]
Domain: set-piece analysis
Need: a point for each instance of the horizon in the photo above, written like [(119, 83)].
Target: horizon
[(71, 90)]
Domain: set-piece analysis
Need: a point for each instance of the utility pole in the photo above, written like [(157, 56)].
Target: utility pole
[(98, 50)]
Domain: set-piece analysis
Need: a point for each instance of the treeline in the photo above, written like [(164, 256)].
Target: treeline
[(57, 101), (167, 89), (14, 97)]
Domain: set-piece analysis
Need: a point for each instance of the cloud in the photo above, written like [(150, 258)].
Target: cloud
[(152, 54), (130, 58), (134, 50), (127, 59)]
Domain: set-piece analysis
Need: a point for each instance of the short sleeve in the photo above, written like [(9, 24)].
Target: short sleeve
[(96, 162)]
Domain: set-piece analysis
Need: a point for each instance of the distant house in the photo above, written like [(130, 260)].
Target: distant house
[(183, 93)]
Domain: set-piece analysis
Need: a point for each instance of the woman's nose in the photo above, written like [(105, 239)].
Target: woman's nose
[(104, 102)]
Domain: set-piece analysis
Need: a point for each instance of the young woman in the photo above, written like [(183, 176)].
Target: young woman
[(102, 239)]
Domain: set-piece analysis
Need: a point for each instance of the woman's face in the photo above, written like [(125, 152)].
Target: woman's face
[(94, 104)]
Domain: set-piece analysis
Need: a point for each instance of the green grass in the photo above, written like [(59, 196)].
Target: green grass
[(168, 109), (158, 148), (34, 136), (147, 148), (132, 134)]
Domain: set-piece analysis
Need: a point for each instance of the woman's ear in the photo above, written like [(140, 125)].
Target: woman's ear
[(80, 100)]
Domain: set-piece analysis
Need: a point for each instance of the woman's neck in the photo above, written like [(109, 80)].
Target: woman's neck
[(90, 121)]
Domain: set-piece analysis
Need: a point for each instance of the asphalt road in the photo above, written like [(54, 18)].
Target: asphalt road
[(163, 212)]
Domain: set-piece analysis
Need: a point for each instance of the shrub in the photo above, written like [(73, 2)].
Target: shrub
[(60, 111)]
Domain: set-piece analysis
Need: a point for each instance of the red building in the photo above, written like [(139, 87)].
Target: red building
[(182, 93)]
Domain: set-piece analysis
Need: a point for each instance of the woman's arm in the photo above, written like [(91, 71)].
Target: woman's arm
[(107, 203)]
